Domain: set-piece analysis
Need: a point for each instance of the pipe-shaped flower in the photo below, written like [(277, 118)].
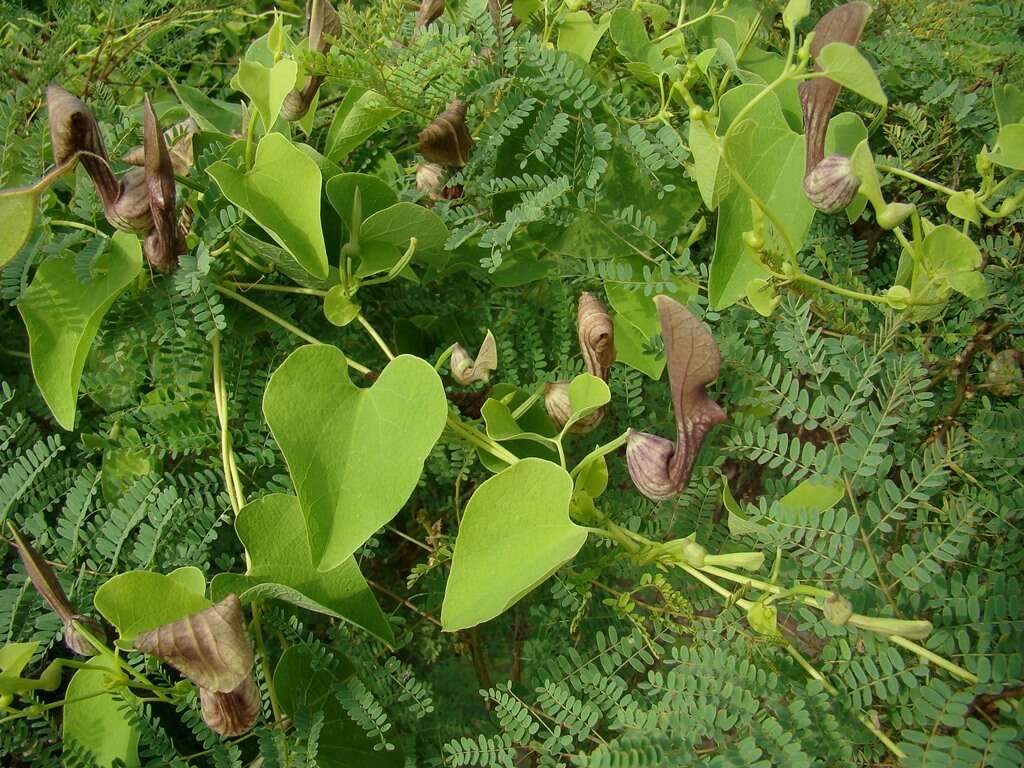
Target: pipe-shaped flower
[(659, 469), (321, 19), (835, 183), (212, 649)]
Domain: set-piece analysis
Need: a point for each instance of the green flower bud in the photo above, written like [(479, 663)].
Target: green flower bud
[(894, 214), (837, 609)]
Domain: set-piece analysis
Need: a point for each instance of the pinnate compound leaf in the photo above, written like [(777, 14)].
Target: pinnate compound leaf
[(355, 455), (273, 532), (282, 194), (138, 601), (303, 685), (94, 720), (495, 562), (63, 315)]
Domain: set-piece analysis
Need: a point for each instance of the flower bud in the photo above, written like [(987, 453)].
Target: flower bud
[(648, 457), (748, 561), (430, 180), (321, 19), (691, 553), (894, 214), (556, 402), (74, 133), (596, 335), (76, 641), (837, 609), (832, 184), (908, 628), (46, 584), (1004, 375), (446, 140), (559, 407)]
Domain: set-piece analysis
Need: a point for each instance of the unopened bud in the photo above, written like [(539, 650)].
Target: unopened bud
[(832, 184), (837, 609), (430, 180)]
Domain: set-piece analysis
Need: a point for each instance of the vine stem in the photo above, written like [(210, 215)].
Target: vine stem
[(285, 324), (231, 480), (372, 333)]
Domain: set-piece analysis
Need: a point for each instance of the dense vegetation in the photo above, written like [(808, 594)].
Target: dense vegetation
[(512, 384)]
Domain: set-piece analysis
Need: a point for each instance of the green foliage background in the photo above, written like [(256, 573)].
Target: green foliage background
[(609, 663)]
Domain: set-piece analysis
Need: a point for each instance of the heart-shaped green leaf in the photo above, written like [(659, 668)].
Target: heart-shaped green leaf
[(94, 719), (402, 221), (282, 194), (580, 34), (374, 195), (357, 118), (496, 563), (273, 532), (17, 214), (355, 455), (844, 64), (770, 157), (62, 316), (138, 601), (267, 86), (1009, 149)]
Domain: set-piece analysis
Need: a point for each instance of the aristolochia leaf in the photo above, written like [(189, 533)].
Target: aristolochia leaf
[(273, 532), (282, 194), (62, 316), (139, 601), (355, 455), (94, 719), (496, 562)]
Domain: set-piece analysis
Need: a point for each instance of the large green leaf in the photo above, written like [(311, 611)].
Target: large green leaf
[(844, 64), (93, 719), (580, 34), (62, 316), (402, 221), (282, 194), (1009, 149), (267, 86), (374, 194), (770, 157), (17, 214), (303, 685), (355, 455), (273, 532), (949, 262), (138, 601), (357, 118), (515, 533)]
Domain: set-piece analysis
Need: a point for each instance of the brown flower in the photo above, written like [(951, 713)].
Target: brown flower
[(659, 469), (446, 140)]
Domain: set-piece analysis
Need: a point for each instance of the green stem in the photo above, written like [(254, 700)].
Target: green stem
[(480, 440), (934, 185), (934, 658), (285, 324), (375, 336), (601, 450), (276, 288), (77, 225), (231, 482)]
